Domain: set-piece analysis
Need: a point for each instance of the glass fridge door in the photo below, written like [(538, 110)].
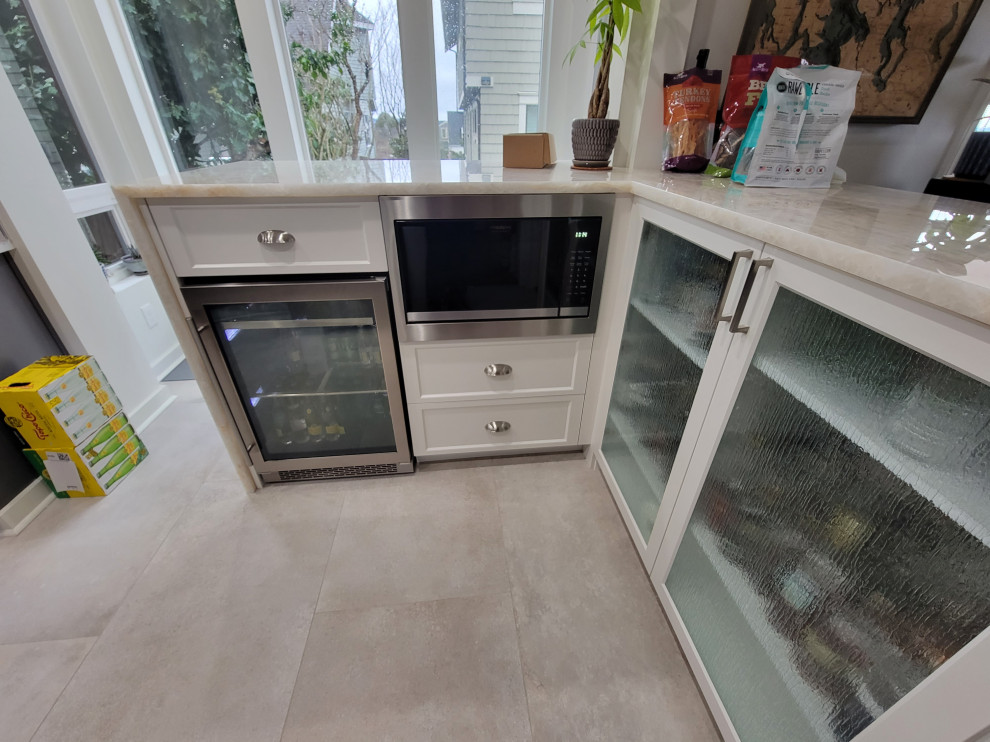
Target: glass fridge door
[(839, 552), (309, 375), (315, 376), (670, 325)]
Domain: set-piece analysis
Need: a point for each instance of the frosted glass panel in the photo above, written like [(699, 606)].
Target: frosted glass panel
[(669, 328), (840, 549)]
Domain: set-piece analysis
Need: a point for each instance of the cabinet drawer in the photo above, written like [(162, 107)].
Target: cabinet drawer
[(222, 239), (532, 423), (457, 371)]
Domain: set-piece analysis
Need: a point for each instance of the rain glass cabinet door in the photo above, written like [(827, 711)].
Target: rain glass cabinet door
[(666, 350), (838, 551)]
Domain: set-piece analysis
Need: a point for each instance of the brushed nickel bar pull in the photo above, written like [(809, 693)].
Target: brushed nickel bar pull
[(754, 267), (498, 369), (737, 257), (497, 426), (275, 238)]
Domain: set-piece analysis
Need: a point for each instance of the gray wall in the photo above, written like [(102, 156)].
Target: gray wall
[(24, 338)]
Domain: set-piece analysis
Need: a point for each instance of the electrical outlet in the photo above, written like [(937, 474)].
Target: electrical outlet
[(149, 315)]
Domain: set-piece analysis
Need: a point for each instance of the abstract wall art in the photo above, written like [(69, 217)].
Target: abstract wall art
[(902, 47)]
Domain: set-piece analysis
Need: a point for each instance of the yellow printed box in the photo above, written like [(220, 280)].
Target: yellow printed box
[(93, 469), (58, 402)]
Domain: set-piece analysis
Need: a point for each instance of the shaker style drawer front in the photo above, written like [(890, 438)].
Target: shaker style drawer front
[(495, 427), (260, 239), (496, 369)]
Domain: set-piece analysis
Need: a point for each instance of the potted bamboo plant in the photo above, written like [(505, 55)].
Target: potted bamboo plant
[(593, 138)]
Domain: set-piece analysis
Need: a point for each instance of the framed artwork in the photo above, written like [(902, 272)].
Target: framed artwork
[(902, 47)]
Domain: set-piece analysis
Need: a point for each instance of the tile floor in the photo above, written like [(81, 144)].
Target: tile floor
[(460, 603)]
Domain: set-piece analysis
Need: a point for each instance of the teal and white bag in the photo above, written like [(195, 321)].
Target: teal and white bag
[(797, 131)]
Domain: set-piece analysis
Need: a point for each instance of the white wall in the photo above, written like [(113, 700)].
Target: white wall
[(53, 255), (146, 316), (903, 156)]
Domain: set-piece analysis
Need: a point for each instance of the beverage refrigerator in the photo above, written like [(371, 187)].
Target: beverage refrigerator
[(309, 372)]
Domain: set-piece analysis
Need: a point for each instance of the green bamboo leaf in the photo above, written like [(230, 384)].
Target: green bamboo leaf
[(618, 14), (632, 5)]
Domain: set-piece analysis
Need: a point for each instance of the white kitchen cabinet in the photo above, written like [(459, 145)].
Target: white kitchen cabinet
[(227, 238), (822, 545), (687, 277), (491, 369), (495, 427)]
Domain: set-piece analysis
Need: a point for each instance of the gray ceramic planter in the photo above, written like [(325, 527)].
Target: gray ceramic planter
[(592, 140)]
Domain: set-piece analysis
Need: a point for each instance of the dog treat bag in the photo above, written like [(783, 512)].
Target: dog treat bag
[(748, 76), (690, 104), (797, 131)]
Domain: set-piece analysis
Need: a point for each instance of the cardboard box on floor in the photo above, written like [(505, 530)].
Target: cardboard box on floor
[(63, 408), (58, 402), (528, 150), (95, 468)]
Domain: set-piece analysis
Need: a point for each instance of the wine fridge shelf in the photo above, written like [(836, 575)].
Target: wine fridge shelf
[(289, 395), (846, 408)]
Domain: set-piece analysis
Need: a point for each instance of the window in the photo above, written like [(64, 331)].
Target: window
[(348, 67), (39, 90), (193, 56), (31, 73), (104, 237), (974, 162), (490, 60)]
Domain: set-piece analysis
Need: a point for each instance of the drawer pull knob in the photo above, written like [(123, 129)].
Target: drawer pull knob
[(497, 426), (498, 369), (275, 237)]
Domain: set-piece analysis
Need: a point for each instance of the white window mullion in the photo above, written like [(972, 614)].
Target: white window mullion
[(419, 78), (131, 88), (87, 50), (274, 79), (89, 200)]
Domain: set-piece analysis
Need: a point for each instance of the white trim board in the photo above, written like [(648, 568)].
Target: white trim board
[(148, 411), (25, 507)]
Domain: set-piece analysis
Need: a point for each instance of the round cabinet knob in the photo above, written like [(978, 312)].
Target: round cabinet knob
[(275, 238), (498, 369), (497, 426)]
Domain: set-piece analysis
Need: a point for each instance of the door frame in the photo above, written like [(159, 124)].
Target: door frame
[(948, 704)]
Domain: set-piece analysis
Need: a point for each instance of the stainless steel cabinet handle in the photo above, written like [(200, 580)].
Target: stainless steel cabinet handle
[(497, 426), (275, 237), (498, 369), (754, 267), (737, 257)]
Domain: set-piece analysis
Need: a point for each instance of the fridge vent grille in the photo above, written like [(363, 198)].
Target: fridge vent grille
[(338, 472)]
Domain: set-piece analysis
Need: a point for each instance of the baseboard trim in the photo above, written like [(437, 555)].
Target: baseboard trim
[(25, 507), (146, 412), (165, 363)]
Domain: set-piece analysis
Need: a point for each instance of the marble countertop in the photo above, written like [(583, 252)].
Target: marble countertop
[(930, 248)]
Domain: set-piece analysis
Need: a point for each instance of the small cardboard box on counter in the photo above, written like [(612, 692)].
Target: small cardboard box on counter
[(528, 150), (95, 468), (58, 402)]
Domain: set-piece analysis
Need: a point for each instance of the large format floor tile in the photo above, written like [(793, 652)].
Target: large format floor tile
[(65, 575), (208, 643), (599, 659), (31, 678), (436, 672), (432, 535)]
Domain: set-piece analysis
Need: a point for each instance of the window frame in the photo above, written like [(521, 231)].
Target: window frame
[(91, 43)]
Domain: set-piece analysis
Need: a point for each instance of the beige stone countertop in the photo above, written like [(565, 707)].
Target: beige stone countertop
[(930, 248)]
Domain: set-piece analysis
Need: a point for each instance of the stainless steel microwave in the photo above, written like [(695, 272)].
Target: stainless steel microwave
[(496, 265)]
